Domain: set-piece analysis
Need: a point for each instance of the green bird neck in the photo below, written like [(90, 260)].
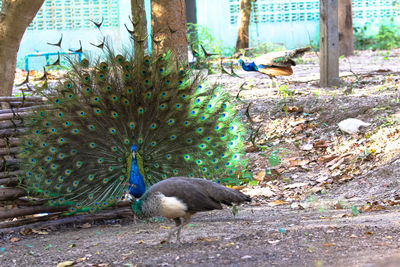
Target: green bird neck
[(137, 207)]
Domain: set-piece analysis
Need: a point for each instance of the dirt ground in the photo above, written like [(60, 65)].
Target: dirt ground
[(331, 201)]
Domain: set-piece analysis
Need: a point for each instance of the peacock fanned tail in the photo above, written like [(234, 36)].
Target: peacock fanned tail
[(78, 151)]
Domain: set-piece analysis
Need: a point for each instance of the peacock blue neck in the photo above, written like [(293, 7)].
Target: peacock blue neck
[(248, 66), (135, 167)]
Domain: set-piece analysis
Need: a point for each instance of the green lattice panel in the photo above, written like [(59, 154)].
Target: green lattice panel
[(273, 11), (76, 14)]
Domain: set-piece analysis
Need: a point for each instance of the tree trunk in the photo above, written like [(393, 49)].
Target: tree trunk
[(140, 28), (244, 22), (168, 25), (346, 43), (15, 17)]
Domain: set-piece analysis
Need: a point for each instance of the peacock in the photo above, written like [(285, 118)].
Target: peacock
[(114, 126), (179, 198), (275, 63)]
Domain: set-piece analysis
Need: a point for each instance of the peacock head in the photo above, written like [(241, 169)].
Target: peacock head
[(241, 62), (133, 150)]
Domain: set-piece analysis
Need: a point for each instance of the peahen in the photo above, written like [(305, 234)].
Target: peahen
[(275, 63), (117, 125), (179, 198)]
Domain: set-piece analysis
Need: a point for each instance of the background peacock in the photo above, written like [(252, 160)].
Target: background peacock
[(275, 63), (117, 125)]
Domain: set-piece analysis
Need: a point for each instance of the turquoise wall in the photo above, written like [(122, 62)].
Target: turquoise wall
[(35, 40), (292, 23), (217, 15)]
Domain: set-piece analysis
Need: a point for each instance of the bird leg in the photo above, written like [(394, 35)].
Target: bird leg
[(178, 223), (179, 228)]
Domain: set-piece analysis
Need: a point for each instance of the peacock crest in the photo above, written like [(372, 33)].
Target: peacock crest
[(106, 116)]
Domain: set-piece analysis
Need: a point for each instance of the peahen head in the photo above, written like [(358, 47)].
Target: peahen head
[(137, 208)]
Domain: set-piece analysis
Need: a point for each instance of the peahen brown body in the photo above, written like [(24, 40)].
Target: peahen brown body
[(275, 63), (178, 198)]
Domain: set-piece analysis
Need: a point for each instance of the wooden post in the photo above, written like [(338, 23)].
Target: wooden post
[(329, 43)]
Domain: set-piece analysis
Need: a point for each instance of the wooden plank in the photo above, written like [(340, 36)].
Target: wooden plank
[(329, 43)]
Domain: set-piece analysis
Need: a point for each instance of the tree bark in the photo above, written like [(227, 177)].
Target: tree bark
[(168, 24), (346, 42), (140, 28), (15, 17), (244, 22)]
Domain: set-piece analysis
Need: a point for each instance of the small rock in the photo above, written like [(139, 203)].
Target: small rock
[(351, 125), (307, 147)]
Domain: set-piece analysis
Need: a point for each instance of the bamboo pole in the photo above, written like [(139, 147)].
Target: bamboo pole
[(9, 142), (9, 193), (9, 181), (9, 116), (23, 104), (20, 109), (22, 98), (12, 132), (116, 212), (10, 173), (9, 151), (18, 212)]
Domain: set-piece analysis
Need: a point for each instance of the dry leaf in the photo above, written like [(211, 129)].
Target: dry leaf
[(86, 225), (255, 192), (204, 239), (295, 185), (278, 202), (298, 129), (316, 189), (14, 239), (321, 144), (329, 244), (327, 158), (259, 176), (26, 231), (337, 164), (238, 187), (165, 227), (66, 264), (40, 232)]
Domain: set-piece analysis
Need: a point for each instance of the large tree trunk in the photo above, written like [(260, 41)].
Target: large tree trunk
[(244, 22), (168, 24), (15, 17), (346, 43), (140, 28)]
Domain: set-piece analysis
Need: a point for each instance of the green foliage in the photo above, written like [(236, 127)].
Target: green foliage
[(201, 35), (263, 48), (387, 36)]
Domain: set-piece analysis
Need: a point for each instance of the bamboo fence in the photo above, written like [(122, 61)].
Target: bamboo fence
[(16, 209)]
